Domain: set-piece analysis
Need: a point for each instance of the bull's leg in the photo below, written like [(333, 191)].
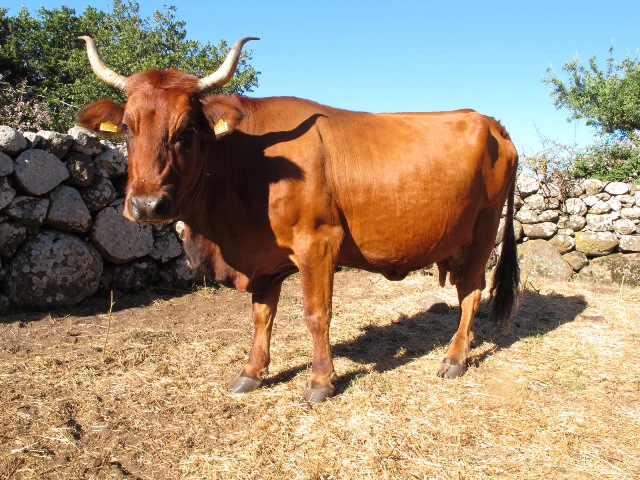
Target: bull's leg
[(455, 362), (316, 276), (257, 366)]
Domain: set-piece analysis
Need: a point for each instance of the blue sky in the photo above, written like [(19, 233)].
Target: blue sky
[(406, 55)]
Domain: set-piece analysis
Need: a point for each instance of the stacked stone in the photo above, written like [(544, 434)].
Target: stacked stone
[(62, 234), (584, 222)]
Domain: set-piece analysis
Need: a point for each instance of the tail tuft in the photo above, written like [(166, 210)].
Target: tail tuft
[(506, 278)]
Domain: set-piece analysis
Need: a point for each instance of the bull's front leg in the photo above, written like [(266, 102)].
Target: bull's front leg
[(257, 366), (316, 275)]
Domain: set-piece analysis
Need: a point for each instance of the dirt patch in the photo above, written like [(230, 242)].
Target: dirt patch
[(559, 398)]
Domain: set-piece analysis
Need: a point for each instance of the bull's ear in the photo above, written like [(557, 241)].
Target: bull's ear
[(103, 117), (223, 113)]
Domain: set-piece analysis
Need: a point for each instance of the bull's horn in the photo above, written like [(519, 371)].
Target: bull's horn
[(100, 68), (225, 72)]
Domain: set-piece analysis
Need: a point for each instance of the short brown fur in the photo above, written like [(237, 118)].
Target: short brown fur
[(289, 185)]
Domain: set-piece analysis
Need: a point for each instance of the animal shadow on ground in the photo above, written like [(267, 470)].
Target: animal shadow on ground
[(409, 337)]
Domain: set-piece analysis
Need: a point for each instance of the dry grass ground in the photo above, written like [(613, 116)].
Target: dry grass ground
[(559, 398)]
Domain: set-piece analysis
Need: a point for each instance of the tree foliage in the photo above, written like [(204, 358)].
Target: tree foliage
[(608, 100), (44, 55), (612, 159)]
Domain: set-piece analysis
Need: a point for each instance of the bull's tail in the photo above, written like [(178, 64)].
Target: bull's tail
[(506, 277)]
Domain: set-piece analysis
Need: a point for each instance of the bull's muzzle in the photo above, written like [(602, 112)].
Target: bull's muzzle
[(147, 209)]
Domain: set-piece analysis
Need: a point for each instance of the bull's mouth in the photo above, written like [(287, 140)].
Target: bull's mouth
[(148, 209)]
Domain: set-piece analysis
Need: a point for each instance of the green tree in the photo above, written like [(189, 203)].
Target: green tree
[(608, 100), (44, 54)]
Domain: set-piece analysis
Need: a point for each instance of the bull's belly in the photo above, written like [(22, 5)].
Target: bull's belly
[(396, 253)]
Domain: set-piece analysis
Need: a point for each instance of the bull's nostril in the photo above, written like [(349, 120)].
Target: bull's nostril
[(145, 208), (160, 206)]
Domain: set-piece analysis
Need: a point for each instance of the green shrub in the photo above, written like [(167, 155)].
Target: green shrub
[(612, 160)]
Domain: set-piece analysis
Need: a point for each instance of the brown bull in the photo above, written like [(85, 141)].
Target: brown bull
[(269, 187)]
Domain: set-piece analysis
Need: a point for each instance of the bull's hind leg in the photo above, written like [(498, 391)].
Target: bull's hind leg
[(257, 366), (455, 362), (467, 269)]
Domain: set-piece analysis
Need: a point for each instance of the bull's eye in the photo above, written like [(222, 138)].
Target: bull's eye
[(124, 128), (184, 141)]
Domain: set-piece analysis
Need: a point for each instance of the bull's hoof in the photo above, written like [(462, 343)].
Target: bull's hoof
[(243, 384), (317, 394), (451, 368)]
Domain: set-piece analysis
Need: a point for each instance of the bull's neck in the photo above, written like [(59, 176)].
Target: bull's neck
[(213, 199)]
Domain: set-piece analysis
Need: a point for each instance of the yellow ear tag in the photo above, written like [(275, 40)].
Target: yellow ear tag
[(108, 127), (221, 127)]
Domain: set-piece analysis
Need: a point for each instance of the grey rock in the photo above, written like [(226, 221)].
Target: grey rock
[(135, 276), (553, 203), (576, 223), (38, 172), (632, 213), (55, 143), (85, 141), (549, 216), (7, 192), (32, 139), (624, 226), (600, 207), (596, 244), (577, 260), (12, 142), (626, 200), (517, 201), (599, 223), (11, 236), (575, 206), (630, 243), (68, 212), (179, 272), (112, 162), (539, 259), (526, 216), (517, 230), (590, 201), (435, 305), (166, 247), (99, 194), (540, 230), (536, 202), (7, 166), (617, 188), (592, 186), (563, 243), (81, 169), (618, 268), (53, 269), (30, 211), (119, 240), (574, 189), (615, 204), (527, 185)]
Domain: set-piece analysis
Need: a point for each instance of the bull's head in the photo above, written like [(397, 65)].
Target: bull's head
[(167, 122)]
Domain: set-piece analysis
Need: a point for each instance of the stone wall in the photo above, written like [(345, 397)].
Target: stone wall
[(585, 230), (62, 233), (63, 236)]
